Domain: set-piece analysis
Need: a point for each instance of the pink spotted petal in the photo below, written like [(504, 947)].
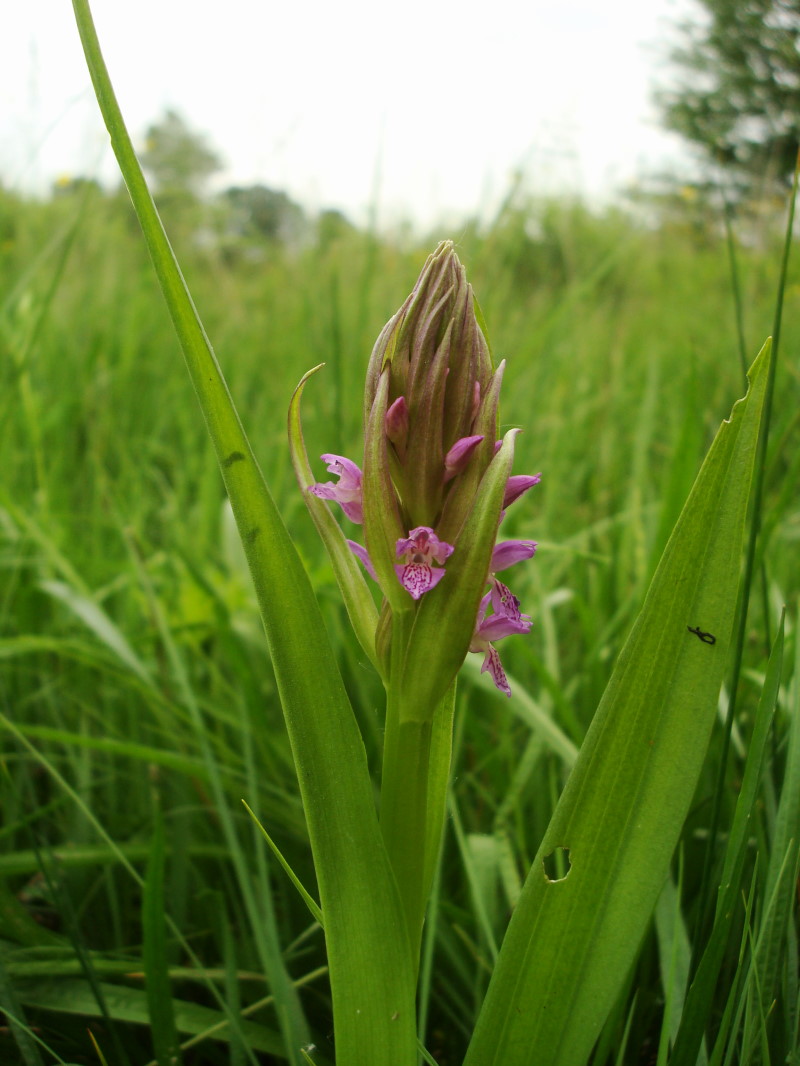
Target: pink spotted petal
[(459, 455), (495, 667), (418, 578), (362, 555), (509, 552), (504, 602), (517, 485)]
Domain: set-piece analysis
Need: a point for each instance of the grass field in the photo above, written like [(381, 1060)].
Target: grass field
[(135, 689)]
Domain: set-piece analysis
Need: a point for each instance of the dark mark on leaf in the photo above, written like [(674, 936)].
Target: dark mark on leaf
[(707, 638), (252, 534), (234, 457)]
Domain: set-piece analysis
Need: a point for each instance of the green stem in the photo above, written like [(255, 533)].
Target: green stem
[(404, 814), (416, 770)]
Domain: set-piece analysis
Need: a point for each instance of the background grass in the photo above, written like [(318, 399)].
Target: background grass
[(134, 682)]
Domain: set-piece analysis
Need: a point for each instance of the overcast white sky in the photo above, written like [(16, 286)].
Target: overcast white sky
[(425, 108)]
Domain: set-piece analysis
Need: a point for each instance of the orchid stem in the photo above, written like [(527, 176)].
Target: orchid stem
[(404, 814), (416, 771)]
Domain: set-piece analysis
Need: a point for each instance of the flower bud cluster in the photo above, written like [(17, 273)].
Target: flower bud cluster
[(436, 481)]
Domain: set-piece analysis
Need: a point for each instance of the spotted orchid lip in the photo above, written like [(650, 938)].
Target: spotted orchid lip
[(418, 551)]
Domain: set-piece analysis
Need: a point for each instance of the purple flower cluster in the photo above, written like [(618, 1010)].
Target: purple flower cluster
[(432, 491), (422, 548)]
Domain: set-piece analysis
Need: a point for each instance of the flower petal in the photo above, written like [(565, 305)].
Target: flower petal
[(347, 492), (459, 455), (397, 423), (343, 467), (505, 603), (418, 578), (517, 485), (423, 544), (497, 626), (495, 667), (509, 552), (362, 555)]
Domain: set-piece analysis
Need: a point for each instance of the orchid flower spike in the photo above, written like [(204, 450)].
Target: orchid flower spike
[(432, 490)]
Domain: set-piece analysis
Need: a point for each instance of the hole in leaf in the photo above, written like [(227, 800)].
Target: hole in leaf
[(556, 864)]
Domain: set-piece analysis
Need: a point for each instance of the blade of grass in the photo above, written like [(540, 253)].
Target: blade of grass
[(306, 896), (705, 895), (100, 624), (571, 942), (372, 977), (704, 986), (17, 1022), (784, 852), (154, 954), (124, 1004)]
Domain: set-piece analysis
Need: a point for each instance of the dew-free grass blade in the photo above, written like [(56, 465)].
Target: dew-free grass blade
[(785, 848), (371, 971), (101, 625), (571, 942), (701, 994), (17, 1024), (154, 952), (75, 997)]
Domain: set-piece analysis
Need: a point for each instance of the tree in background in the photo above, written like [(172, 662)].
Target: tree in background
[(178, 159), (739, 98), (265, 214)]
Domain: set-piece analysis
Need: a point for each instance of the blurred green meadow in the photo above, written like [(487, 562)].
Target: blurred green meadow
[(135, 688)]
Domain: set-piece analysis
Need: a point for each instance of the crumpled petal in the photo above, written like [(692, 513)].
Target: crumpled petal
[(347, 492)]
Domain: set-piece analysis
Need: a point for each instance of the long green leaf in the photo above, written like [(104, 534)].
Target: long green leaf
[(370, 962), (125, 1004), (571, 942)]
